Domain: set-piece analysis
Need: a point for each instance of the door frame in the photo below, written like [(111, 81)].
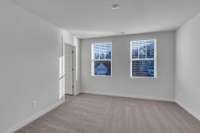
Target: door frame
[(73, 68)]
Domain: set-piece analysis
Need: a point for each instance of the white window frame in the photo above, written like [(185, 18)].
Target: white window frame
[(93, 60), (155, 58)]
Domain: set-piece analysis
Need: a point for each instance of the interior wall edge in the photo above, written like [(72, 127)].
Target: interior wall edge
[(128, 96)]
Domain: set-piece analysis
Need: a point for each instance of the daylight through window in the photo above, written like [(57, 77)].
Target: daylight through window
[(101, 59), (143, 58)]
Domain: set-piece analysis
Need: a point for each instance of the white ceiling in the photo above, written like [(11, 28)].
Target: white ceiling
[(95, 18)]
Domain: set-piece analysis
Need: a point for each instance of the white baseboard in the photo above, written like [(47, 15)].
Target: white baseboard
[(34, 117), (194, 114), (128, 96)]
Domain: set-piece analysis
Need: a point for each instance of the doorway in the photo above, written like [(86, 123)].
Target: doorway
[(70, 67)]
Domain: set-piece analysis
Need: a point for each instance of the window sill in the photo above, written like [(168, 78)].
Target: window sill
[(103, 76), (135, 77)]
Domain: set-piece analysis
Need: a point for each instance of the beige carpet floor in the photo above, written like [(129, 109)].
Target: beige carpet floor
[(105, 114)]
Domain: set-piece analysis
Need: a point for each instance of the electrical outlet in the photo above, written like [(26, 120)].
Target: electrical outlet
[(34, 103)]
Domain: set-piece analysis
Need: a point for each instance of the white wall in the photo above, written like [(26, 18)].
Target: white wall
[(67, 37), (29, 55), (120, 84), (188, 66)]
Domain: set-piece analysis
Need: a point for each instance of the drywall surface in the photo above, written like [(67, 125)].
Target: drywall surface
[(67, 37), (29, 64), (120, 84), (188, 66)]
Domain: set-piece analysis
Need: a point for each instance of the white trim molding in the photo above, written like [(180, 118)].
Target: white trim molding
[(190, 111), (128, 96)]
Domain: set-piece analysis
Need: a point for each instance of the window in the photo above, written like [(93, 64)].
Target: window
[(101, 59), (143, 58)]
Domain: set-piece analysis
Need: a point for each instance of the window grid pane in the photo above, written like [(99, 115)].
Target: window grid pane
[(101, 59), (102, 51), (102, 68), (143, 68), (142, 58)]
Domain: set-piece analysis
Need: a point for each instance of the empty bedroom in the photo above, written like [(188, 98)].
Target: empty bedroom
[(99, 66)]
